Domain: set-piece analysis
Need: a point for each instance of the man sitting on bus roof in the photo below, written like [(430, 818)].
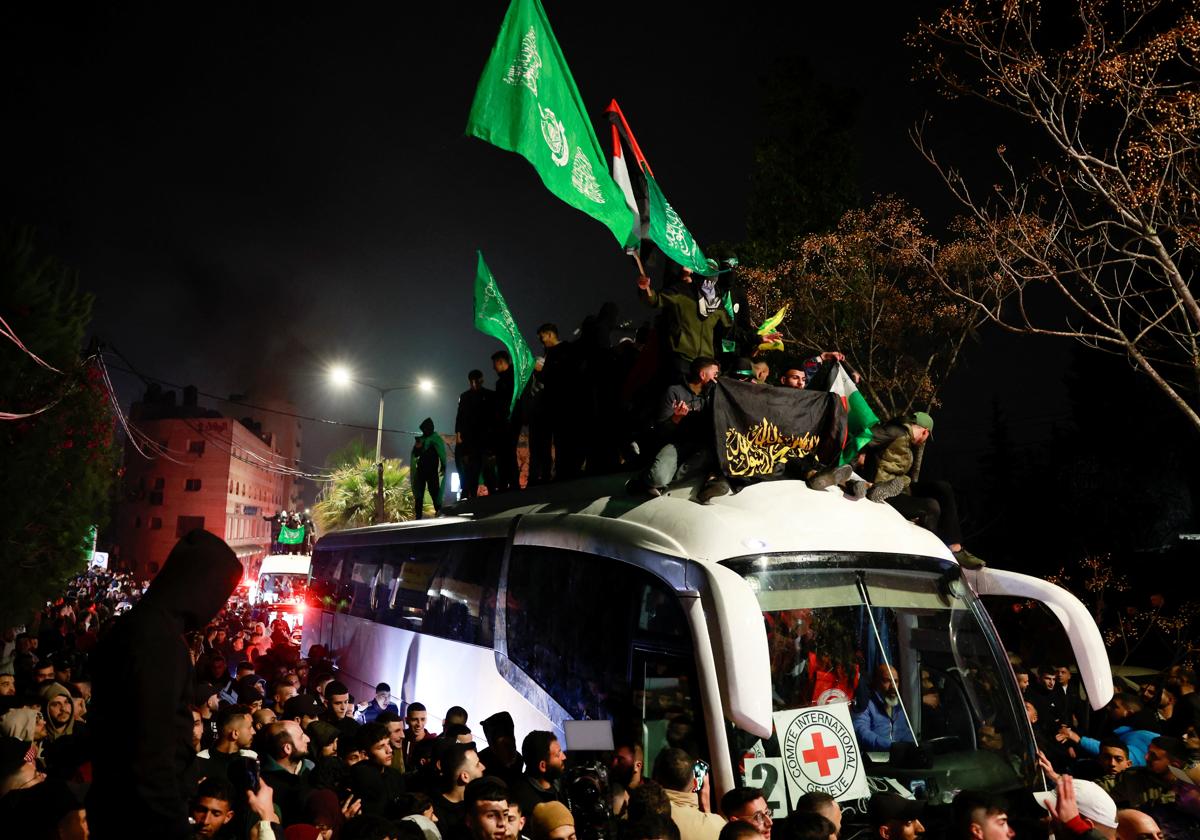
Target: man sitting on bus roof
[(684, 426), (881, 720)]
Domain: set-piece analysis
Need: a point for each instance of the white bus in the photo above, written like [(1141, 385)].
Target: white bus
[(697, 624)]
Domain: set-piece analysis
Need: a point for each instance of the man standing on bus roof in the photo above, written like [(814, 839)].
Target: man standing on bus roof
[(882, 721), (472, 430), (544, 764), (427, 468)]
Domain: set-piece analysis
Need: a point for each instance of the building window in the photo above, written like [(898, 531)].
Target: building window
[(137, 522), (156, 523), (192, 485), (186, 524), (160, 483), (196, 447), (156, 498)]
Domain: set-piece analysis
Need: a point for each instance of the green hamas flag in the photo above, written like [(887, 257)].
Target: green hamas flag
[(290, 536), (493, 318), (668, 232), (527, 103)]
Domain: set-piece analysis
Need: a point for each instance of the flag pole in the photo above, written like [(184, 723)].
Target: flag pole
[(637, 258)]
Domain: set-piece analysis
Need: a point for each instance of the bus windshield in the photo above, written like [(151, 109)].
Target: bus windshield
[(934, 705)]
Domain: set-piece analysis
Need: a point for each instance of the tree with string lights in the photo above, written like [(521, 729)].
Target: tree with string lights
[(864, 289), (57, 455), (1094, 222)]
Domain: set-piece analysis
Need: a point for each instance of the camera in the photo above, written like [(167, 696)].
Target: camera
[(586, 789)]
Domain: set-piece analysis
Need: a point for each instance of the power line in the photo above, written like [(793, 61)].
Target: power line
[(151, 379)]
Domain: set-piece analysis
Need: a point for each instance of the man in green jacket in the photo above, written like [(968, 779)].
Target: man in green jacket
[(889, 460), (427, 468)]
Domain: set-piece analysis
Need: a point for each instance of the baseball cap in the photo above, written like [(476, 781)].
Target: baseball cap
[(891, 807), (923, 420), (1094, 803)]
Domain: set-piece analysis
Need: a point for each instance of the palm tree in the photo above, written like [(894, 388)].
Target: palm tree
[(348, 500)]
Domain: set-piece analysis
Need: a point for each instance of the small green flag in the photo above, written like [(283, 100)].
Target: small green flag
[(668, 232), (290, 536), (493, 318), (527, 103)]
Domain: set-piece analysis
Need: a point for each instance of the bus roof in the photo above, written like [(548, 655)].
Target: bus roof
[(285, 564), (766, 518)]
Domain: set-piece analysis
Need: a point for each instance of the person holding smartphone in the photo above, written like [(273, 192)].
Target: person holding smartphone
[(685, 782)]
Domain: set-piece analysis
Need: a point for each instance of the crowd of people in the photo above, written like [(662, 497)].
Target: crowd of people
[(170, 712), (606, 400)]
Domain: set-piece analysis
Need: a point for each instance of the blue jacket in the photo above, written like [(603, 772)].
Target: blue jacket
[(1136, 742), (373, 711), (875, 729)]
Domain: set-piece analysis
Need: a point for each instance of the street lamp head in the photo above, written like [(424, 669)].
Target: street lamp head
[(425, 385), (339, 375)]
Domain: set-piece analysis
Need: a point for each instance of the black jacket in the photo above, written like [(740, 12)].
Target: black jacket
[(142, 679)]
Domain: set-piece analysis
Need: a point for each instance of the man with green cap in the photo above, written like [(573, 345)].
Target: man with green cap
[(889, 460)]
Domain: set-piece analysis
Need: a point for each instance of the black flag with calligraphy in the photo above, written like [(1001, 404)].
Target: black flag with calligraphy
[(760, 429)]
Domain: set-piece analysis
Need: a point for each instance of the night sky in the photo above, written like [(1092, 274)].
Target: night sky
[(254, 191)]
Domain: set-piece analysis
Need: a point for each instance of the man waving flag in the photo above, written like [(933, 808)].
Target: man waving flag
[(527, 103)]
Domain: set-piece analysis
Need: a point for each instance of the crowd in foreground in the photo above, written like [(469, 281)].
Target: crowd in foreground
[(169, 713)]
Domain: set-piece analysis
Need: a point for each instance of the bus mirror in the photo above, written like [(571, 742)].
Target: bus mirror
[(740, 651), (1095, 672)]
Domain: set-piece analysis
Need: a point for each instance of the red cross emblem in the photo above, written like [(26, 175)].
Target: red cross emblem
[(819, 754)]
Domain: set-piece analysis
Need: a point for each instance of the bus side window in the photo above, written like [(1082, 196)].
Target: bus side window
[(576, 622), (462, 595), (326, 577), (569, 619), (364, 583), (402, 601)]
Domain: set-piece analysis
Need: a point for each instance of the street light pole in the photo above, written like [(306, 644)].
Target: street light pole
[(341, 376), (379, 462)]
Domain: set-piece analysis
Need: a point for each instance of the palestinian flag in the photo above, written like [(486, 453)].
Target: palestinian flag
[(859, 416), (657, 220)]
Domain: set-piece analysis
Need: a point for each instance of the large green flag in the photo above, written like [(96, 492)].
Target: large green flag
[(493, 318), (527, 103), (290, 536)]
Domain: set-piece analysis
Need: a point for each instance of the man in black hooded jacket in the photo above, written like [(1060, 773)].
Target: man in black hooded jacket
[(140, 723)]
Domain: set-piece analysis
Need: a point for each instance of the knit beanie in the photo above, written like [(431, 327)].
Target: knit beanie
[(546, 817)]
